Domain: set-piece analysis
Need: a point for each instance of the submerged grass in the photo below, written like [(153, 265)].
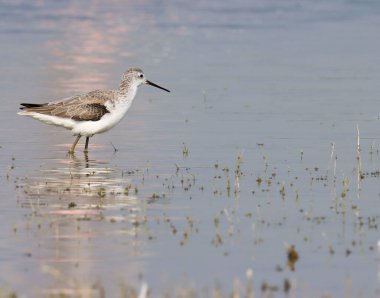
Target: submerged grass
[(147, 208)]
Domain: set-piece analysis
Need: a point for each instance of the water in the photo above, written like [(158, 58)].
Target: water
[(266, 98)]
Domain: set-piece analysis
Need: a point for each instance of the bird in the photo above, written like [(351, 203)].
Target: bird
[(93, 112)]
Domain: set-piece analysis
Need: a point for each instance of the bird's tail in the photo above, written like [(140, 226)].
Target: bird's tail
[(28, 108), (25, 106)]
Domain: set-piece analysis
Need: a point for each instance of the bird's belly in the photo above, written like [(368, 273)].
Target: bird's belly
[(88, 128)]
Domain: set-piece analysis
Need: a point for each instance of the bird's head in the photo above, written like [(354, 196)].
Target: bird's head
[(135, 77)]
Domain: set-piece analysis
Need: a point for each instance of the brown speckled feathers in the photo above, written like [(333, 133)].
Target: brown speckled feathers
[(87, 107)]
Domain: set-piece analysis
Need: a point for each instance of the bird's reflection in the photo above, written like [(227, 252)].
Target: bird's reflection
[(80, 180), (87, 205), (78, 162)]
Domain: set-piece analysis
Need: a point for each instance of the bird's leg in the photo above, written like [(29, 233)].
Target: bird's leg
[(86, 159), (86, 146), (71, 151)]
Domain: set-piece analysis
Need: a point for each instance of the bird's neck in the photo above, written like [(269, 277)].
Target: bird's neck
[(126, 93)]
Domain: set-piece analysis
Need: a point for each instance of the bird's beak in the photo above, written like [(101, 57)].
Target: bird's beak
[(154, 85)]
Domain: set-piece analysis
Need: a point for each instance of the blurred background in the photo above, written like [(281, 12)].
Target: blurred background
[(274, 88)]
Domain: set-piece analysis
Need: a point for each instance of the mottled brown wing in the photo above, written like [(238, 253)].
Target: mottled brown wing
[(97, 96), (88, 107), (88, 112)]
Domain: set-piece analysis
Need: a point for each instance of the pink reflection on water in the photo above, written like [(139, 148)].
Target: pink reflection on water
[(77, 242), (88, 40), (75, 212)]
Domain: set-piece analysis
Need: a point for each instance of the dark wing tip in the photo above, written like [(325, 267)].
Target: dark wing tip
[(30, 105)]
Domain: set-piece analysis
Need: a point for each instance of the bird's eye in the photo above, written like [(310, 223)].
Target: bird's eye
[(141, 75)]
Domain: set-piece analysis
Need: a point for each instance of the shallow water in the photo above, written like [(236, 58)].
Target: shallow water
[(253, 151)]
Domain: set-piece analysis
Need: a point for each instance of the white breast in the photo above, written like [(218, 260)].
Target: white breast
[(109, 120)]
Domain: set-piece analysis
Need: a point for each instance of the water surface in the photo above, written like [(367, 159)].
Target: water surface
[(254, 150)]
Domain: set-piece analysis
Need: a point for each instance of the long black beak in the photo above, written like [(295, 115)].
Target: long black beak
[(154, 85)]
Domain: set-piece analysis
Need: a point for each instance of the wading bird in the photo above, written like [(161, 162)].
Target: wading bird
[(91, 113)]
